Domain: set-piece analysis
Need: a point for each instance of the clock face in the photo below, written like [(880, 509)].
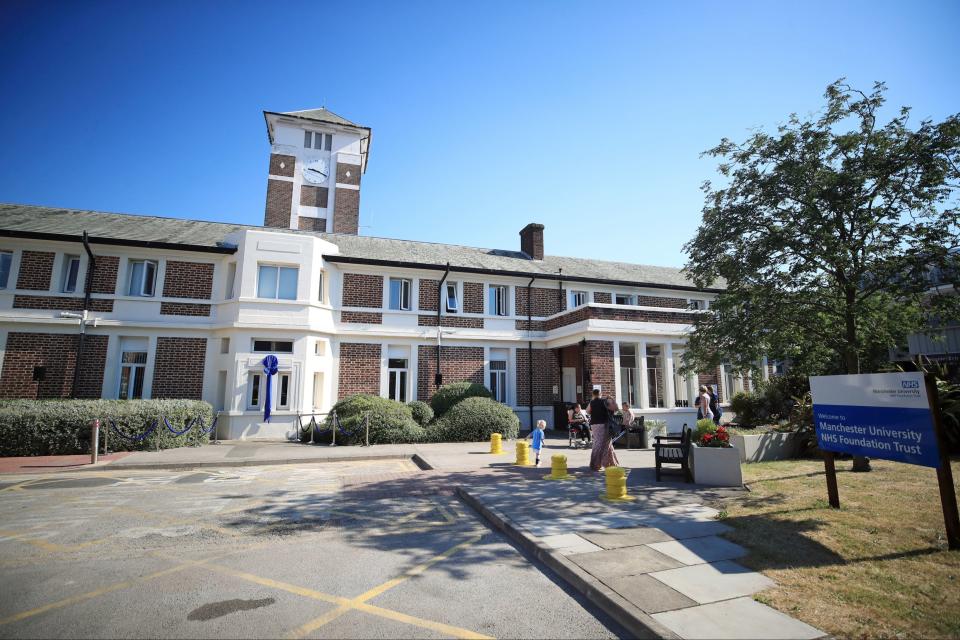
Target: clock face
[(315, 171)]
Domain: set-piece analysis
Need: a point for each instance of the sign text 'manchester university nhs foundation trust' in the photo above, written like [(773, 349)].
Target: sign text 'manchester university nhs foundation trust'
[(877, 415)]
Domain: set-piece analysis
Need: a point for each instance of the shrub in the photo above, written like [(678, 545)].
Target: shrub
[(749, 408), (62, 427), (390, 421), (450, 394), (704, 426), (422, 413), (473, 420), (777, 395)]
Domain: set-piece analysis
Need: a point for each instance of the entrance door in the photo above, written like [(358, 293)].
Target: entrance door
[(569, 384)]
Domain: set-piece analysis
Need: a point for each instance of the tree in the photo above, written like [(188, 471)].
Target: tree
[(823, 235)]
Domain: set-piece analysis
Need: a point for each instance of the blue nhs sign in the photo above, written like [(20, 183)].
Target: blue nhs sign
[(878, 415)]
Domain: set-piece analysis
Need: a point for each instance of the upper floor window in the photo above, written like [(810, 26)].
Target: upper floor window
[(578, 299), (71, 269), (453, 303), (143, 278), (622, 298), (317, 140), (697, 305), (6, 259), (399, 294), (320, 289), (231, 281), (498, 300), (273, 346), (277, 283)]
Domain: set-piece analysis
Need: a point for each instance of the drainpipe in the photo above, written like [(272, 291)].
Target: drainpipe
[(438, 376), (530, 352), (87, 287), (560, 351)]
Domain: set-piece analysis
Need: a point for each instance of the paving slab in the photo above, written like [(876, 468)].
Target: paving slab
[(680, 529), (629, 561), (697, 512), (632, 537), (715, 581), (742, 618), (651, 595), (700, 550), (569, 544)]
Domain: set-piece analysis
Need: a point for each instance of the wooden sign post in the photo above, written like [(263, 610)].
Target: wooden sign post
[(888, 416)]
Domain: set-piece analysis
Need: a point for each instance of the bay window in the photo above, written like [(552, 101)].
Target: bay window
[(656, 392), (277, 283), (629, 375)]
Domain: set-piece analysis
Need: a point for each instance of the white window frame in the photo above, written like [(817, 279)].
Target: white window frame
[(320, 291), (631, 299), (575, 295), (451, 287), (279, 268), (6, 256), (140, 289), (630, 377), (499, 301), (403, 304), (498, 381), (393, 381), (695, 304), (65, 284), (283, 404), (255, 390), (317, 140), (134, 368), (273, 345), (655, 373), (231, 282)]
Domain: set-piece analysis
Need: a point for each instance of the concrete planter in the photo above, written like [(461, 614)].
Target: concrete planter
[(716, 466), (765, 446)]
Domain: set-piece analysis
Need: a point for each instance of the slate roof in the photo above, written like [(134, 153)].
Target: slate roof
[(16, 219), (320, 115)]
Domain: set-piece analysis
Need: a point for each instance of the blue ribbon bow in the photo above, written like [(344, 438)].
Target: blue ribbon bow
[(270, 364)]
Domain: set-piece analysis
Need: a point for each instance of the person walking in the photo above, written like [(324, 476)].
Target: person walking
[(703, 404), (602, 454), (537, 436), (714, 405)]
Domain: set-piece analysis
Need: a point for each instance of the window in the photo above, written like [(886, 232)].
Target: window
[(254, 391), (133, 365), (231, 280), (498, 300), (273, 346), (681, 384), (317, 391), (397, 379), (578, 299), (729, 383), (399, 294), (453, 304), (498, 380), (277, 283), (697, 305), (317, 140), (628, 374), (224, 345), (143, 278), (622, 298), (320, 288), (6, 259), (71, 269), (283, 391), (655, 388)]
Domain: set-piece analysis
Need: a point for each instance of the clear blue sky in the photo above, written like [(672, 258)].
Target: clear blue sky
[(587, 117)]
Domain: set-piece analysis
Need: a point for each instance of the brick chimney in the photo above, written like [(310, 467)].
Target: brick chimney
[(531, 240)]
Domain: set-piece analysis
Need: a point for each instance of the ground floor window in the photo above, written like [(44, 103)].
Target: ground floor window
[(628, 375), (398, 373), (498, 380), (133, 366), (655, 378), (283, 391), (255, 393)]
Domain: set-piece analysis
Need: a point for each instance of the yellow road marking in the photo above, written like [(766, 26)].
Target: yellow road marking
[(40, 543), (354, 603), (346, 604)]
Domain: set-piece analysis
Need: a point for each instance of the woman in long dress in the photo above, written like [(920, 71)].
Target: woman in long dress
[(602, 455)]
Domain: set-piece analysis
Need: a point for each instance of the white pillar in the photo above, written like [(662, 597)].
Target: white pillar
[(669, 391), (766, 371), (642, 361), (616, 373)]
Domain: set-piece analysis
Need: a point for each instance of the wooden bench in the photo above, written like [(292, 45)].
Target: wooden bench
[(674, 450)]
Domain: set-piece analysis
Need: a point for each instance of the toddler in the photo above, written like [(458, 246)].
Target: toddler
[(537, 436)]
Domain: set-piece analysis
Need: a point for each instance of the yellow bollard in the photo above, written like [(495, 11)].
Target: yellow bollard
[(558, 469), (523, 454), (617, 485), (496, 443)]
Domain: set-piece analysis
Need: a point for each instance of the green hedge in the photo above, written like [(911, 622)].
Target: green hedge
[(60, 427), (473, 420), (422, 413), (450, 394), (749, 409), (391, 422)]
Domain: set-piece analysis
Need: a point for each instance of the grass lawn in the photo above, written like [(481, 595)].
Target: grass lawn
[(877, 567)]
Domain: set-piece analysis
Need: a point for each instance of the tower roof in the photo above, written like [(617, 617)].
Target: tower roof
[(319, 115)]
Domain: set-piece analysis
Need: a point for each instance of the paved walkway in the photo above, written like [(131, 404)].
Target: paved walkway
[(49, 464)]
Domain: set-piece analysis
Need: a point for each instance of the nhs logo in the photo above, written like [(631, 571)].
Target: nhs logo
[(910, 384)]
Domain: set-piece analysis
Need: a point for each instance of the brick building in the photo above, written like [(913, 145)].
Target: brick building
[(185, 308)]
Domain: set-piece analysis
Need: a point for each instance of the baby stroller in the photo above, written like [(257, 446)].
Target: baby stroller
[(578, 434)]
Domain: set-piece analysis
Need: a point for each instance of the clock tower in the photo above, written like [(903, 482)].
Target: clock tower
[(316, 160)]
